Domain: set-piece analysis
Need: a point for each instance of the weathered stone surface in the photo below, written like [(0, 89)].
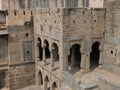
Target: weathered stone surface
[(46, 38)]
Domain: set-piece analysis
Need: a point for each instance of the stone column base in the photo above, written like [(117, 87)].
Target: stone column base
[(87, 70), (100, 66), (45, 63), (53, 68), (82, 71)]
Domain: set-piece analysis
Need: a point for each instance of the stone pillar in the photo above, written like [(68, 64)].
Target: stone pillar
[(87, 56), (64, 3), (52, 58), (63, 61), (101, 59), (44, 56), (72, 57), (36, 77), (82, 64), (37, 51), (45, 85)]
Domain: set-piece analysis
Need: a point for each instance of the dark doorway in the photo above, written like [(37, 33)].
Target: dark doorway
[(55, 53), (40, 49), (47, 51), (94, 55), (54, 86), (2, 79), (47, 83), (74, 59), (40, 78)]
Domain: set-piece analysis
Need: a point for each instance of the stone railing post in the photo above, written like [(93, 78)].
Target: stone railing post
[(37, 51), (87, 56), (44, 56), (101, 58), (52, 58), (82, 64)]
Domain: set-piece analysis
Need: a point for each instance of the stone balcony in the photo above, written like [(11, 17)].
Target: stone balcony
[(3, 62), (3, 32), (3, 29), (3, 25), (48, 68)]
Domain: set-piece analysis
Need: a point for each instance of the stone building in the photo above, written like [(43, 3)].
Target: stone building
[(16, 49), (59, 44)]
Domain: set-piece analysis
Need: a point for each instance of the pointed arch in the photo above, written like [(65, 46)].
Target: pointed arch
[(94, 55), (74, 59), (47, 51), (40, 48), (55, 52)]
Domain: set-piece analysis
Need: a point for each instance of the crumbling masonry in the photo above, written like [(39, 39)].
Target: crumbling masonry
[(59, 44)]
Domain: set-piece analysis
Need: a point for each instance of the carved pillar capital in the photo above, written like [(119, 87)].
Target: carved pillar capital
[(52, 49), (38, 43), (101, 48), (81, 50)]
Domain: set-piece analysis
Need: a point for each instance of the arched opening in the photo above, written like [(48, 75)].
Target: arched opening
[(47, 51), (94, 55), (40, 81), (47, 84), (40, 49), (55, 52), (74, 59), (54, 86)]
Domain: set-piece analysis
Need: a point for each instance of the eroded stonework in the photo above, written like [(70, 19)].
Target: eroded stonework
[(59, 45)]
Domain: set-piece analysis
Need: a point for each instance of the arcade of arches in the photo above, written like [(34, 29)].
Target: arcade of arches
[(46, 54), (84, 61), (46, 83), (77, 59)]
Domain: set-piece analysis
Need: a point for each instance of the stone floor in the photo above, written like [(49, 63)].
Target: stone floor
[(88, 78)]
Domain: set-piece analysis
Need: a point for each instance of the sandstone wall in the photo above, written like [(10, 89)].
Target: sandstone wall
[(49, 23), (21, 76), (21, 49), (80, 23), (112, 38)]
